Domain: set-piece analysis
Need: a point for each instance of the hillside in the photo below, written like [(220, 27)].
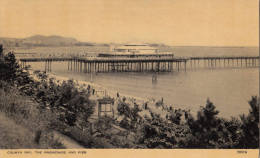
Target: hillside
[(40, 40), (55, 41), (49, 40)]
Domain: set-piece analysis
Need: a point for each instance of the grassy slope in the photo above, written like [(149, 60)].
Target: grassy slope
[(19, 122), (14, 136)]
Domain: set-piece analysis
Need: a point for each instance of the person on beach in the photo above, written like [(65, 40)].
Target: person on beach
[(117, 94), (88, 88), (93, 91), (154, 79), (145, 106)]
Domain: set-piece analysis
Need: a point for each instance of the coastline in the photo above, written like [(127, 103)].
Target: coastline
[(99, 88), (161, 111), (193, 102)]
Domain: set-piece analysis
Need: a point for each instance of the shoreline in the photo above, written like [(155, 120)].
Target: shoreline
[(99, 88), (83, 82), (162, 111)]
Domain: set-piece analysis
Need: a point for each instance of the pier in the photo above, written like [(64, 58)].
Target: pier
[(145, 64), (89, 65), (224, 62)]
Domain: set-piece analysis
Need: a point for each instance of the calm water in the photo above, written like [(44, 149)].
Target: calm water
[(229, 89)]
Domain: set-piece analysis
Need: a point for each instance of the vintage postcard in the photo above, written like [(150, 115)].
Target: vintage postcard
[(129, 78)]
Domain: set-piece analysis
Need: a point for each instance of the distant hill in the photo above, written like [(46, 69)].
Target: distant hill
[(55, 41), (48, 41), (40, 40)]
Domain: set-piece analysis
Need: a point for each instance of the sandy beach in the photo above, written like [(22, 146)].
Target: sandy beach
[(100, 91)]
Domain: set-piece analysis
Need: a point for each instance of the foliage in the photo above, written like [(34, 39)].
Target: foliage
[(160, 133), (8, 68), (65, 100), (1, 50), (250, 126), (206, 131), (205, 128), (104, 123), (131, 117), (157, 133), (26, 113), (175, 116), (209, 131)]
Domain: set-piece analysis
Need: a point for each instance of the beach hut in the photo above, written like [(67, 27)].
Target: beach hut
[(105, 107)]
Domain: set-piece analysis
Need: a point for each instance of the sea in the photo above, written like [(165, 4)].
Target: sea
[(229, 89)]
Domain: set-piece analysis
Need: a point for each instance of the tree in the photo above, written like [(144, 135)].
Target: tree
[(8, 67), (250, 126), (205, 129), (1, 50)]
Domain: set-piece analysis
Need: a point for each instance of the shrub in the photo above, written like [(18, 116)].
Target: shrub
[(175, 116), (64, 99), (157, 133), (82, 137), (25, 112), (131, 116), (8, 68), (209, 131), (250, 126), (69, 101), (104, 123), (123, 108), (205, 129)]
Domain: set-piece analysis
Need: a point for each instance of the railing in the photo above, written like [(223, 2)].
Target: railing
[(100, 59)]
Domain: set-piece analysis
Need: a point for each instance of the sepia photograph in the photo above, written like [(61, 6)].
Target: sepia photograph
[(121, 74)]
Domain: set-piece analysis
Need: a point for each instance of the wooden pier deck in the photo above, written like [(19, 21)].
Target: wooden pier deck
[(144, 64)]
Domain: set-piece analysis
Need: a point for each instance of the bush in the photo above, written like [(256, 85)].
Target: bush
[(205, 128), (25, 112), (82, 137), (175, 116), (123, 108), (157, 133), (130, 115), (103, 124), (209, 131), (250, 126), (8, 68), (64, 99)]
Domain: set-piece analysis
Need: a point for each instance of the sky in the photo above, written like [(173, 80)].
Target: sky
[(174, 22)]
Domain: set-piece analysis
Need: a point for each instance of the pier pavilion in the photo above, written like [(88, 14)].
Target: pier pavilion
[(135, 51)]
